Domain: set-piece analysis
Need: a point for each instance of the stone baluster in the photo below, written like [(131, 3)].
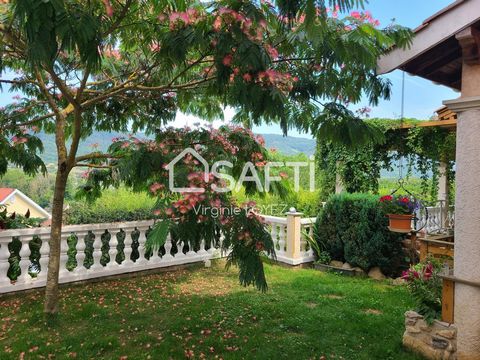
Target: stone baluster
[(4, 264), (80, 256), (180, 255), (127, 251), (155, 258), (211, 250), (44, 256), (142, 239), (274, 234), (191, 253), (112, 251), (303, 241), (202, 252), (168, 250), (64, 256), (24, 259), (97, 251), (281, 239)]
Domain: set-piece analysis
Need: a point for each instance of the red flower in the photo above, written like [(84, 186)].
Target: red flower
[(227, 60)]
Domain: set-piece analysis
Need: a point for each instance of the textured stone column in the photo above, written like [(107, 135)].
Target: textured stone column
[(294, 235), (467, 226), (443, 193), (442, 182), (339, 188)]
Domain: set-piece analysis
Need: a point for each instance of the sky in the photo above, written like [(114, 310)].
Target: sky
[(422, 97)]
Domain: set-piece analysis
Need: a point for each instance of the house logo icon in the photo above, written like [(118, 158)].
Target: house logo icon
[(171, 171)]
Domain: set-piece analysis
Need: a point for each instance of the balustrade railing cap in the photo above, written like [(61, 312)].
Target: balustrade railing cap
[(293, 211)]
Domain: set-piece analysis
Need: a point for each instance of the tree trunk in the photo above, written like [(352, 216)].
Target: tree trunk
[(51, 291)]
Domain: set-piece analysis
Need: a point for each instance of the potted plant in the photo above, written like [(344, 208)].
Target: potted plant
[(400, 210), (15, 221)]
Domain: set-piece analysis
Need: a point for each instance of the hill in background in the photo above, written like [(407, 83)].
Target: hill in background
[(287, 145)]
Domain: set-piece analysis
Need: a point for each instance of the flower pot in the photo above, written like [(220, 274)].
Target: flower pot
[(400, 223)]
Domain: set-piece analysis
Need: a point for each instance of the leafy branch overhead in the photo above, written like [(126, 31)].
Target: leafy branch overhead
[(206, 213), (291, 64), (421, 148), (131, 65)]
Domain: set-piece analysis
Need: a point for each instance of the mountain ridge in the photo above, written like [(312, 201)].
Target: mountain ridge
[(100, 141)]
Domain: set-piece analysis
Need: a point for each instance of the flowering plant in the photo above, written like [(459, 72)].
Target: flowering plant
[(398, 204), (16, 221), (425, 285)]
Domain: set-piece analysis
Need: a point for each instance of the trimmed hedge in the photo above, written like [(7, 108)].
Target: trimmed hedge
[(353, 228), (115, 205), (80, 213)]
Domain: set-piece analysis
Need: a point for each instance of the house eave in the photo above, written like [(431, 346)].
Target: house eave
[(438, 29)]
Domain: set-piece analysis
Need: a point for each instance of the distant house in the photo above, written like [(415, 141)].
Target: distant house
[(18, 202)]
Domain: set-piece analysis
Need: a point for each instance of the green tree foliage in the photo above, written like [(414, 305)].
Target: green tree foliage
[(204, 209), (39, 188), (422, 149), (118, 65), (353, 228)]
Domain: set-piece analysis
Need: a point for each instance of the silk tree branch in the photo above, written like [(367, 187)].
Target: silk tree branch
[(94, 166), (18, 82), (94, 156), (30, 122), (119, 19)]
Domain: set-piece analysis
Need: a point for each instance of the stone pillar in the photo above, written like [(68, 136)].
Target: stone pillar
[(338, 180), (442, 196), (443, 193), (467, 225), (294, 236)]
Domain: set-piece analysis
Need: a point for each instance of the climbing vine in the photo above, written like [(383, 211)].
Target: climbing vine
[(421, 148)]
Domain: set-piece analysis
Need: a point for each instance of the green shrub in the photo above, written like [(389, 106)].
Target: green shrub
[(115, 205), (353, 228), (303, 201)]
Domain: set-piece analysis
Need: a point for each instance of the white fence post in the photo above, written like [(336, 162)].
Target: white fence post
[(294, 236)]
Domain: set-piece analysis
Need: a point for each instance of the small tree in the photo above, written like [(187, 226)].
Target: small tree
[(205, 210), (131, 65)]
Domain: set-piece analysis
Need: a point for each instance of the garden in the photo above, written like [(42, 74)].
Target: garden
[(203, 313), (200, 241)]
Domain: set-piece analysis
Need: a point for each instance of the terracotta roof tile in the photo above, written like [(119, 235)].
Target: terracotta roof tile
[(4, 192)]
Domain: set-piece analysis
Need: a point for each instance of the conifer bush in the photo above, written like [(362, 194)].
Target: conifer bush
[(353, 228)]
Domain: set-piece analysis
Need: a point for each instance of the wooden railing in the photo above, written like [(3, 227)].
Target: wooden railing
[(99, 250)]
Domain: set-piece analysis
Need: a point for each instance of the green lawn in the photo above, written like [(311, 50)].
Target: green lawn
[(204, 313)]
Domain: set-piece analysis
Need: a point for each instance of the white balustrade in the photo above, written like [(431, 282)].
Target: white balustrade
[(308, 225), (435, 219), (21, 279), (278, 230)]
